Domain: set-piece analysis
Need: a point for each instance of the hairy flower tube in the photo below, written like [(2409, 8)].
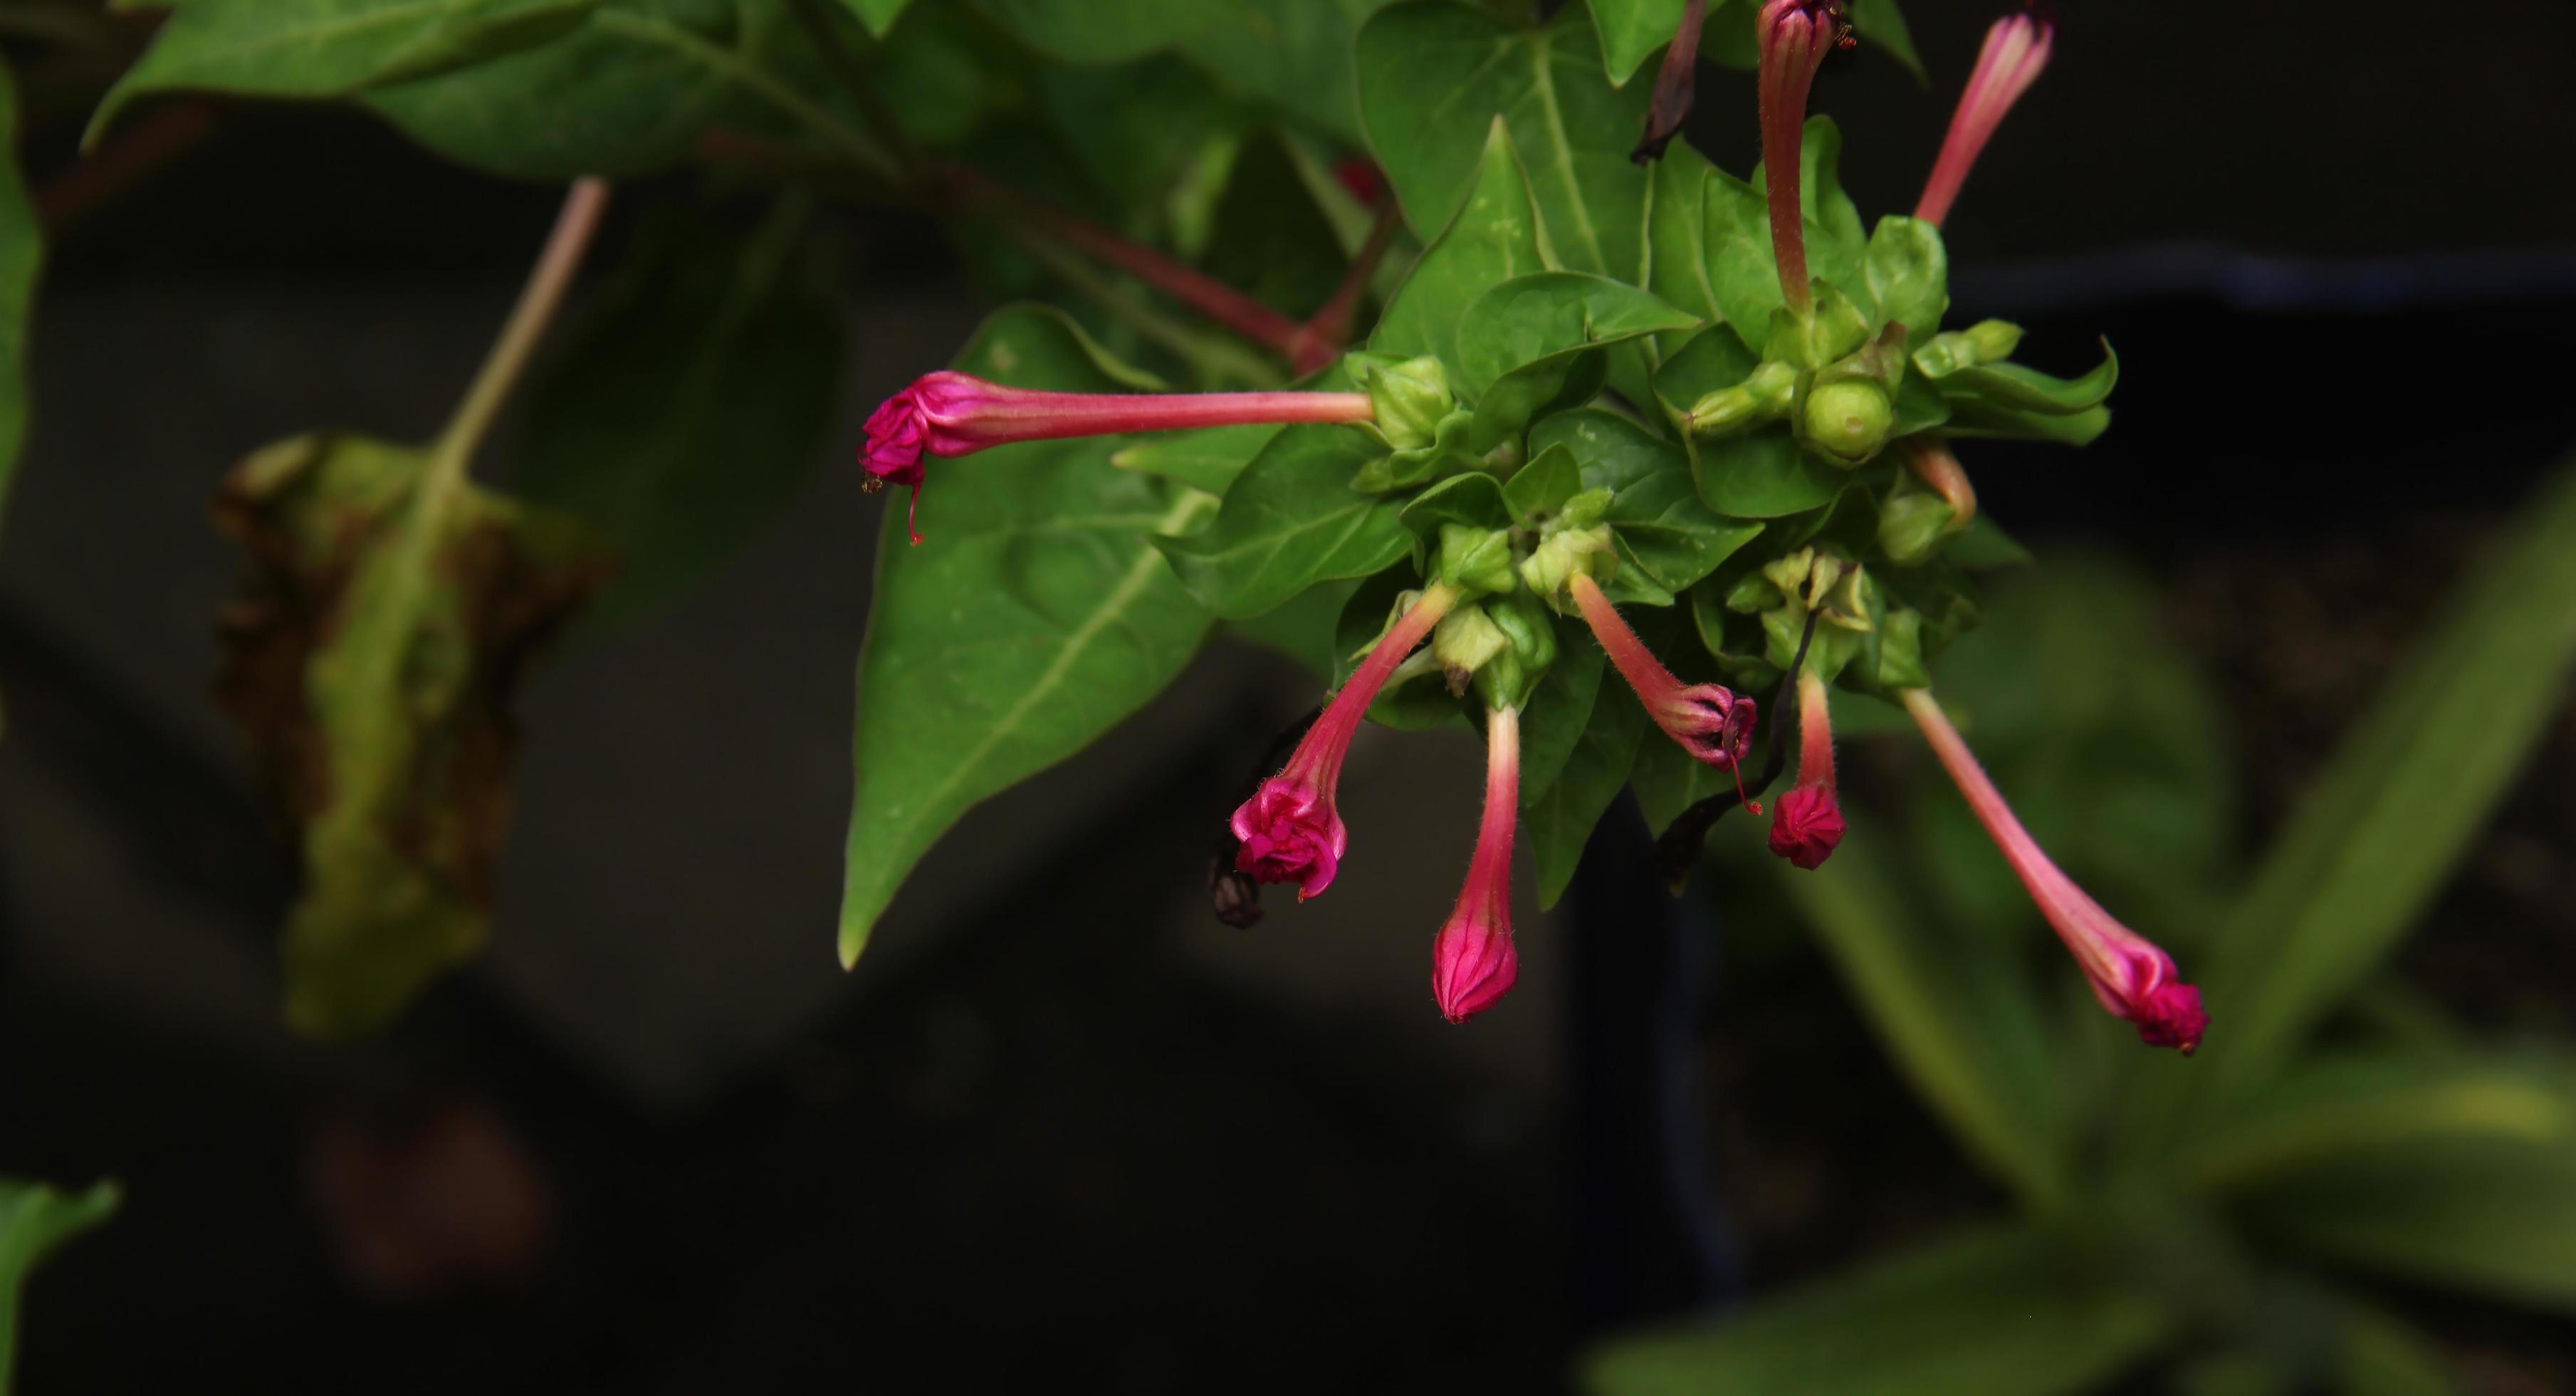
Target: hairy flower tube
[(2132, 977), (1807, 823), (1795, 36), (1289, 830), (956, 414), (1711, 721), (1473, 962), (2016, 51)]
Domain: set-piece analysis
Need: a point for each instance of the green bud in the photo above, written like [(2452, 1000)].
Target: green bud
[(1564, 552), (1506, 682), (1847, 421), (1993, 340), (1763, 398), (1410, 399), (1911, 525), (1465, 641), (1833, 329), (1986, 342), (1477, 561)]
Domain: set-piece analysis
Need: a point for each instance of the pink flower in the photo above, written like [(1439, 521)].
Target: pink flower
[(1710, 721), (956, 414), (1808, 825), (1289, 830), (2132, 977), (1473, 962), (2016, 52), (1795, 36)]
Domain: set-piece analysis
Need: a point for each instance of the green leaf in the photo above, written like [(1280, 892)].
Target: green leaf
[(1292, 55), (1034, 616), (1560, 709), (2015, 388), (1736, 221), (2337, 1106), (2005, 1312), (329, 48), (1655, 508), (694, 399), (1632, 31), (1529, 318), (1972, 417), (1096, 31), (878, 15), (1495, 237), (1290, 521), (1557, 820), (2386, 1356), (1542, 487), (1762, 475), (34, 1221), (1432, 77), (628, 92), (1909, 275), (2495, 1216), (1210, 460), (2392, 815), (1469, 501), (388, 610), (22, 251), (1305, 628), (1961, 1024)]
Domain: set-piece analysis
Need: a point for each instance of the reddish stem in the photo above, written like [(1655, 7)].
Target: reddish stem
[(1319, 757), (162, 136), (1322, 336)]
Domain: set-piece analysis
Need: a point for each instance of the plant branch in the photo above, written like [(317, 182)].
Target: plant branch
[(1217, 359), (136, 151), (1330, 327), (543, 295), (863, 94)]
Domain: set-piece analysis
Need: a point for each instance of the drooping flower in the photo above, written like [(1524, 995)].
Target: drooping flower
[(1807, 825), (955, 414), (1711, 721), (1473, 961), (1289, 830), (1795, 36), (2015, 53), (2133, 977)]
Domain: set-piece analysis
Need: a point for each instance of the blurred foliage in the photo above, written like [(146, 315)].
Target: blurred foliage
[(2218, 1214), (34, 1220)]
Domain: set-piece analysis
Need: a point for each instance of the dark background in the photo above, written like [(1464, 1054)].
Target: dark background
[(1061, 1128)]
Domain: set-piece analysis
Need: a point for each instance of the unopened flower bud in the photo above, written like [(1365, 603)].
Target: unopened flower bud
[(1763, 398), (1985, 342), (1477, 561), (1410, 399), (1473, 962), (1911, 525), (1848, 421), (1568, 553), (1466, 641), (1506, 681)]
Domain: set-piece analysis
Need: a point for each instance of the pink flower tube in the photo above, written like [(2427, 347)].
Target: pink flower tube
[(1795, 36), (1807, 825), (956, 414), (2132, 977), (2015, 53), (1473, 962), (1710, 721), (1289, 830)]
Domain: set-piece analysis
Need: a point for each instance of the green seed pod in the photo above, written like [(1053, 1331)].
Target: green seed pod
[(1847, 422)]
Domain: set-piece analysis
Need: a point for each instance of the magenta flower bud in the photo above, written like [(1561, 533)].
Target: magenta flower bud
[(1289, 830), (1807, 826), (956, 414), (1712, 723), (1795, 36), (1473, 962), (2015, 53), (2131, 975)]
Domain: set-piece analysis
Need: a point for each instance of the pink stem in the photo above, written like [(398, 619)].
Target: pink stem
[(1321, 337), (1493, 861), (1029, 414), (1654, 683)]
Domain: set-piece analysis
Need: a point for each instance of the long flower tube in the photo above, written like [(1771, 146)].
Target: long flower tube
[(1710, 721), (1807, 825), (954, 414), (1795, 36), (1473, 961), (2016, 52), (1290, 831), (2131, 975)]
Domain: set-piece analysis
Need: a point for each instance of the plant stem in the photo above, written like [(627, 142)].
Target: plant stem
[(538, 301), (1330, 326), (133, 154), (1217, 360), (854, 81)]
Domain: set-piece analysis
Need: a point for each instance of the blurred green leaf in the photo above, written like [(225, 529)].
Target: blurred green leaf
[(1999, 1313), (2330, 1107), (2496, 1216), (34, 1220), (1292, 55), (878, 15), (1033, 617), (1954, 1016), (693, 400), (1434, 75), (329, 48), (387, 611), (2407, 793), (2384, 1356), (1496, 236), (22, 250)]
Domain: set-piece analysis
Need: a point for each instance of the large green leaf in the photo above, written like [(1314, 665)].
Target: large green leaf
[(1290, 521), (2494, 1215), (22, 249), (1035, 615), (878, 15), (1495, 236), (389, 608), (1655, 509), (1433, 75), (1293, 55), (693, 401), (2407, 794), (1557, 820), (627, 92), (330, 48), (1528, 318), (35, 1219), (2329, 1108), (1958, 1020), (1997, 1313)]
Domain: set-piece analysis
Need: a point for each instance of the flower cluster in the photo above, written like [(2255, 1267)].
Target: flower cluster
[(1494, 583)]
